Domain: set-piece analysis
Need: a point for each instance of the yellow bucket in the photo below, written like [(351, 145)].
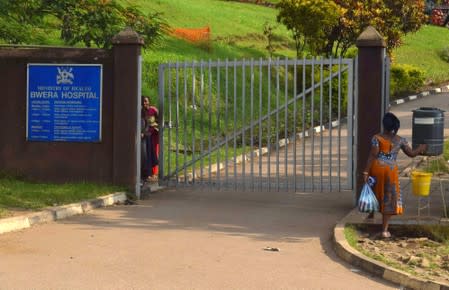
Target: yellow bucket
[(421, 183)]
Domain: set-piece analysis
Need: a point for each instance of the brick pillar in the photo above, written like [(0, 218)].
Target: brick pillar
[(126, 97), (371, 47)]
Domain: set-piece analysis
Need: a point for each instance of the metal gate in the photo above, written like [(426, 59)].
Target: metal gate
[(258, 124)]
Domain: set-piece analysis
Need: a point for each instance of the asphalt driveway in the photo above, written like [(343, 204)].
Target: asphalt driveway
[(184, 239)]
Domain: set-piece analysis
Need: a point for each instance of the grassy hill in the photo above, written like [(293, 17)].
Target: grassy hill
[(237, 32), (236, 28), (423, 49)]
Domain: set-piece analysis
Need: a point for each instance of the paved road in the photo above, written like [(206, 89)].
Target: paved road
[(404, 113), (188, 239)]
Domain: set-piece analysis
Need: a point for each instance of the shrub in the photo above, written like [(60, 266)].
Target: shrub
[(405, 79), (444, 54)]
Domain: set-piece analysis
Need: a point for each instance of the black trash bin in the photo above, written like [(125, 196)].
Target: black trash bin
[(428, 128)]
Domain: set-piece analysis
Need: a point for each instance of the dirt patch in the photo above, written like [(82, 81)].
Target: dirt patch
[(420, 250)]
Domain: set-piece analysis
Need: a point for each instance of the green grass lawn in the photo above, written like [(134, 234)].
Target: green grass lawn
[(240, 35), (422, 49), (18, 193), (223, 17), (439, 164)]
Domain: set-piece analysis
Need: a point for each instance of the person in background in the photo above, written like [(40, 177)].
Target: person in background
[(382, 166), (143, 146), (150, 136)]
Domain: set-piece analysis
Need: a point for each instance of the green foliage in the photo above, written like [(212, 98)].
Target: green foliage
[(90, 22), (391, 18), (446, 150), (351, 235), (268, 32), (405, 79), (444, 54), (309, 22), (422, 49), (22, 11), (151, 26), (19, 22), (14, 32), (95, 22), (338, 24), (439, 164)]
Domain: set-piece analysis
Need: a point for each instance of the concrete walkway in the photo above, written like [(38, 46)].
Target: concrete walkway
[(185, 239)]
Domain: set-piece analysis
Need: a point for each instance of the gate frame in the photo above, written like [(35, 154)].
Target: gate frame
[(346, 65), (371, 94)]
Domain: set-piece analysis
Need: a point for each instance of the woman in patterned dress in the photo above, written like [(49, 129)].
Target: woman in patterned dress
[(382, 166), (151, 136)]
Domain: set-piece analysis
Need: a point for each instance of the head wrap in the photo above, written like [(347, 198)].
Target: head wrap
[(391, 123)]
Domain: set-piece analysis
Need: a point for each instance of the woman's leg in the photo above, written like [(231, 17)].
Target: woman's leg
[(385, 222), (156, 167), (148, 163), (143, 159)]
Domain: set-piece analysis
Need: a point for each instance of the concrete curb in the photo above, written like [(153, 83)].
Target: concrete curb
[(420, 95), (60, 212), (353, 257)]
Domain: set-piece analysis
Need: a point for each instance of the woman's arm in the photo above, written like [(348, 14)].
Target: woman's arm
[(371, 156), (413, 152)]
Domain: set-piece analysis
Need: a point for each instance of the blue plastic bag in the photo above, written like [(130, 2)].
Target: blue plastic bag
[(367, 200)]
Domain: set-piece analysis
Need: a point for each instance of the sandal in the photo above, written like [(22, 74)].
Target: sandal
[(153, 178), (386, 235)]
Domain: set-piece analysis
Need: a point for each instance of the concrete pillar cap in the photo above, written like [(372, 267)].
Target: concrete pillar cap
[(370, 37), (127, 36)]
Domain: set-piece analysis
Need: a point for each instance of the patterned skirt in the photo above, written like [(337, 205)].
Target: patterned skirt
[(387, 187)]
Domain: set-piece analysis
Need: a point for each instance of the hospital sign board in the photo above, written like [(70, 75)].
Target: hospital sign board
[(64, 102)]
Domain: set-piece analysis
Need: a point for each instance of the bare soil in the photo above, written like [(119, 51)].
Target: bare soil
[(413, 249)]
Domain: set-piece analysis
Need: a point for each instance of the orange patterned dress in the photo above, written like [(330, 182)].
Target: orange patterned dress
[(385, 171)]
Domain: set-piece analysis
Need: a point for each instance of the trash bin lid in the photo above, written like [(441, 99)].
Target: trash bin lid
[(428, 112)]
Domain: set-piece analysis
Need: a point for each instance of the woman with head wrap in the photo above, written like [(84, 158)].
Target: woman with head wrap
[(381, 165)]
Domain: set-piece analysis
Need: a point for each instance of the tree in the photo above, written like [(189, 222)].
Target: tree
[(268, 33), (91, 22), (95, 22), (309, 21), (392, 18), (151, 26), (19, 22)]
